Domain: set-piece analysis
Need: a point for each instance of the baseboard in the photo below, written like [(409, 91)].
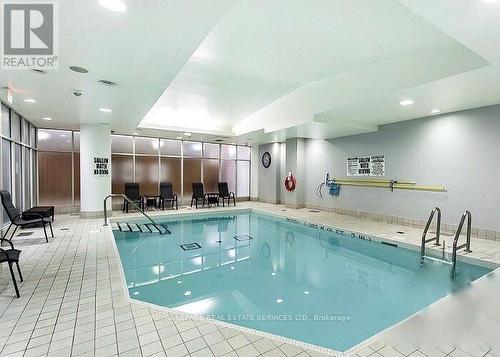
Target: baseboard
[(265, 200), (93, 214)]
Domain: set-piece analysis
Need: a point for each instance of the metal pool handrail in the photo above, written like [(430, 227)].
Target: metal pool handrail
[(465, 245), (137, 207), (424, 234)]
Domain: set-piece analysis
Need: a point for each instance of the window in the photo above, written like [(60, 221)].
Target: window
[(122, 144), (243, 153), (170, 147), (54, 140), (15, 127), (76, 140), (26, 178), (146, 173), (6, 171), (146, 146), (32, 136), (211, 151), (170, 171), (55, 180), (58, 168), (228, 174), (122, 171), (191, 149), (191, 173), (210, 175), (243, 178), (5, 121), (228, 151)]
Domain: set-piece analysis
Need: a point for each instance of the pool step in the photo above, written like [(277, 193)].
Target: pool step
[(123, 227), (139, 228), (438, 259)]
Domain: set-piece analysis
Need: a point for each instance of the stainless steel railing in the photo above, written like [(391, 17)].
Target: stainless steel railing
[(156, 225), (427, 226), (466, 245)]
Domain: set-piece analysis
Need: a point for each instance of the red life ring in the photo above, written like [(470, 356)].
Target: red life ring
[(290, 183)]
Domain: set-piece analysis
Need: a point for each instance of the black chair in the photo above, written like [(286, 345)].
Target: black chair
[(167, 195), (132, 192), (224, 194), (20, 219), (11, 256), (198, 194)]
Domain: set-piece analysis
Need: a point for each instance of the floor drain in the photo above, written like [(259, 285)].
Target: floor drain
[(242, 238), (190, 246), (24, 234)]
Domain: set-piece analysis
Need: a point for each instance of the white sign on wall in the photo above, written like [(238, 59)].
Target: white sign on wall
[(372, 165), (101, 166)]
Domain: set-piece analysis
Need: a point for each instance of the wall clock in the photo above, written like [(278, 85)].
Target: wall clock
[(266, 160)]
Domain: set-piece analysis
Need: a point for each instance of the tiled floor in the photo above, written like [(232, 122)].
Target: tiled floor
[(73, 303)]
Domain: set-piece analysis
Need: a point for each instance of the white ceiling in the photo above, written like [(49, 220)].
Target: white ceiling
[(141, 49), (267, 70)]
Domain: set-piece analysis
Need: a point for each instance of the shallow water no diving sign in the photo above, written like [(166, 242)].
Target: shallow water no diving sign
[(101, 166)]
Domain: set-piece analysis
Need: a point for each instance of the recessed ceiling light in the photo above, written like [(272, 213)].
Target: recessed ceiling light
[(30, 100), (306, 292), (79, 69), (136, 293), (107, 82), (47, 118), (179, 137), (279, 301), (113, 5), (435, 111), (273, 273), (187, 134), (105, 110), (136, 133), (406, 102), (187, 293)]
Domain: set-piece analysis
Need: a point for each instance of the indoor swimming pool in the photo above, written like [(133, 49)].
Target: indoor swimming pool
[(265, 273)]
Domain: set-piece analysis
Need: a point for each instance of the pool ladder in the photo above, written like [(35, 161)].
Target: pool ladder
[(152, 227), (456, 247)]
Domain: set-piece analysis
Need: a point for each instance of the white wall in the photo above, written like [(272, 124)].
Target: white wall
[(269, 178), (460, 151), (95, 141), (254, 173)]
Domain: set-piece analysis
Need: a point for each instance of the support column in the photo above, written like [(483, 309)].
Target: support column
[(95, 169), (296, 163)]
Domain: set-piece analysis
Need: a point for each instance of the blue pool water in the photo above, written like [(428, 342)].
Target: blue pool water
[(290, 280)]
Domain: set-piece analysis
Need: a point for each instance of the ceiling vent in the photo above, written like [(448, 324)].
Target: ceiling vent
[(79, 69), (107, 83)]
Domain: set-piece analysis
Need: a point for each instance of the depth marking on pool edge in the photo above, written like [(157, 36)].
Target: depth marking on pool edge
[(328, 229)]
